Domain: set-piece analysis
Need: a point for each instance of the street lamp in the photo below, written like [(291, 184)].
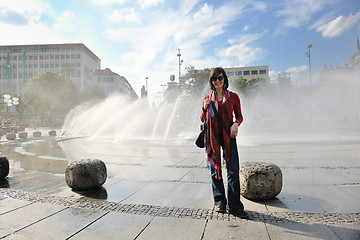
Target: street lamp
[(9, 102), (180, 62), (308, 55)]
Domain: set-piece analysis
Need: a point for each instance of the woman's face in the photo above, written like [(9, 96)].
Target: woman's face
[(219, 81)]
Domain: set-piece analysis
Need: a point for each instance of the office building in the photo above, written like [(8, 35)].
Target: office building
[(112, 82), (20, 63), (247, 73)]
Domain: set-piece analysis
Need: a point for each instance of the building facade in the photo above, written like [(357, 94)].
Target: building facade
[(112, 82), (20, 63), (247, 73)]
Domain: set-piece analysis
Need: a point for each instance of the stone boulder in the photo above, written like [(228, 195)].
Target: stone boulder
[(85, 174), (36, 134), (260, 180), (10, 136), (23, 135), (52, 133), (4, 167)]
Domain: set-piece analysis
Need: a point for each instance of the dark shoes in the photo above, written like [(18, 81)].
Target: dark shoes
[(238, 213), (220, 208)]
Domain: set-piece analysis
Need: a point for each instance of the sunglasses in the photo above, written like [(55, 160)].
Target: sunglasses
[(220, 78)]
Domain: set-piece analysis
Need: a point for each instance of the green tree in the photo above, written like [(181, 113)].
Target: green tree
[(143, 92), (194, 81), (251, 87), (92, 93), (50, 94)]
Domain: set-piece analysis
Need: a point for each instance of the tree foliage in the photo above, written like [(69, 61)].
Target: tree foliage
[(251, 87), (194, 81), (92, 93), (50, 94)]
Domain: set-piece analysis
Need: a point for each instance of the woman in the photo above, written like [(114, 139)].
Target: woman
[(218, 111)]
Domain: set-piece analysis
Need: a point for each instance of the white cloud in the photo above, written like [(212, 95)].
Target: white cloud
[(261, 6), (126, 15), (240, 49), (297, 69), (337, 26), (66, 22), (30, 10), (299, 12), (33, 33), (108, 2), (149, 3)]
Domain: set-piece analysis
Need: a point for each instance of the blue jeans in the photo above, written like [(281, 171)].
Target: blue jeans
[(233, 183)]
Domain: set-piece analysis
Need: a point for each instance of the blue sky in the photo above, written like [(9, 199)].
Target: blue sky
[(140, 38)]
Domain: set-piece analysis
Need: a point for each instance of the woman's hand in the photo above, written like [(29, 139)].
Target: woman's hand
[(234, 130), (206, 102)]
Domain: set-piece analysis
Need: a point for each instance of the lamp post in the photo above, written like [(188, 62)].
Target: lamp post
[(163, 91), (147, 90), (308, 55), (180, 62)]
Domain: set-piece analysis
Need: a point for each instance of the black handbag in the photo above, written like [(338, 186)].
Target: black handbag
[(200, 139)]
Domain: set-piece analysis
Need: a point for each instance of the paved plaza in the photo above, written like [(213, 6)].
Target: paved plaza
[(163, 191)]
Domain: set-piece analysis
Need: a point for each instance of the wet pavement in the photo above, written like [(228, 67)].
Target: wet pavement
[(163, 191)]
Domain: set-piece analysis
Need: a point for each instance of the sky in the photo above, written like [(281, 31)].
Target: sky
[(141, 38)]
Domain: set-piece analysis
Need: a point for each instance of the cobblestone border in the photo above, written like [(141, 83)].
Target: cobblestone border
[(209, 214)]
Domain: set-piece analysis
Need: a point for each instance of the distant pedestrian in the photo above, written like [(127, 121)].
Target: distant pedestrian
[(218, 111)]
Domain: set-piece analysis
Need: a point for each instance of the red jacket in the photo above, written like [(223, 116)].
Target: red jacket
[(235, 102)]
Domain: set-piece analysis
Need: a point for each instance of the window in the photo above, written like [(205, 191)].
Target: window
[(36, 57), (41, 57), (238, 73), (254, 72), (246, 72), (230, 74), (262, 71)]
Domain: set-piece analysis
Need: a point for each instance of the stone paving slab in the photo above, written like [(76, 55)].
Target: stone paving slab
[(115, 225), (301, 231), (23, 217), (9, 204), (162, 228), (62, 225), (243, 229)]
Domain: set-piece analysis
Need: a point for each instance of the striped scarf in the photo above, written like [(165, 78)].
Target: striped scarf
[(212, 134)]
